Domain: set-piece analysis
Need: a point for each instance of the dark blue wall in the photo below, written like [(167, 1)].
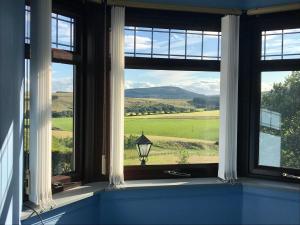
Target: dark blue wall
[(270, 206), (11, 109), (206, 204), (238, 4), (180, 205), (250, 4), (82, 212)]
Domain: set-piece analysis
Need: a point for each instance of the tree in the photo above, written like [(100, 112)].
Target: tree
[(285, 99)]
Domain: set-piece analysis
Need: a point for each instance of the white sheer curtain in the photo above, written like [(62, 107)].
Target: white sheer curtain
[(40, 103), (229, 98), (116, 176)]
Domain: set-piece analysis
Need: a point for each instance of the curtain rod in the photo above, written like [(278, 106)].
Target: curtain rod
[(173, 7), (273, 9)]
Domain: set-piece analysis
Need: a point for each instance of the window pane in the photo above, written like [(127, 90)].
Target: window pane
[(280, 44), (160, 43), (210, 47), (273, 44), (62, 118), (194, 45), (279, 144), (143, 42), (172, 43), (27, 24), (62, 30), (178, 111), (291, 43), (129, 41), (177, 44)]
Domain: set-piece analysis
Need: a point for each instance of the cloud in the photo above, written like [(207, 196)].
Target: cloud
[(142, 43), (62, 84), (198, 82), (266, 86), (291, 44), (132, 84)]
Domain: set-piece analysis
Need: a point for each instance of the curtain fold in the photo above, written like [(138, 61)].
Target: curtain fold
[(229, 98), (116, 176), (40, 104)]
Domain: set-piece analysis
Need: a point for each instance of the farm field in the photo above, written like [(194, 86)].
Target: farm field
[(177, 138)]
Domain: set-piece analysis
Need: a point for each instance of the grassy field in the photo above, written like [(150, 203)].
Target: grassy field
[(177, 138), (62, 101), (206, 129), (63, 124)]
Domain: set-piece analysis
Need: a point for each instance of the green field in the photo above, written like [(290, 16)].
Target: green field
[(63, 124), (177, 138), (190, 137), (202, 129)]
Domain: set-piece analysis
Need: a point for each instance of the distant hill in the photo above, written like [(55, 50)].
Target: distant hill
[(62, 101), (164, 92)]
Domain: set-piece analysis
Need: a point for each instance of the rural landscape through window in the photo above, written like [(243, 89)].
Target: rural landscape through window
[(62, 117), (63, 38), (280, 120), (178, 111)]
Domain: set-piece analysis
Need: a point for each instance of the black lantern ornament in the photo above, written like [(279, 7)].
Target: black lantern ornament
[(143, 145)]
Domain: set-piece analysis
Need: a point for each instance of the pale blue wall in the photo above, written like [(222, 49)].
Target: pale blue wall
[(11, 108)]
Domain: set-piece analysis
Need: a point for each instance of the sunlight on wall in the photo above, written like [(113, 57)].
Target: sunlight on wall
[(6, 165)]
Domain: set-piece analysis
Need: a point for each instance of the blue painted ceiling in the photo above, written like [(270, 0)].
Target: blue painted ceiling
[(238, 4)]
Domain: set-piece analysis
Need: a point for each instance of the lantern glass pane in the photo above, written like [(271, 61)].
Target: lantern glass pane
[(144, 149)]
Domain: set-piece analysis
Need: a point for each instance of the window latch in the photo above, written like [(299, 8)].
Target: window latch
[(290, 176), (176, 173)]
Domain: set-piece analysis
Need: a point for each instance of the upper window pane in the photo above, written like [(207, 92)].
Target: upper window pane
[(160, 43), (172, 43), (143, 42), (178, 111), (279, 144), (62, 30), (280, 44)]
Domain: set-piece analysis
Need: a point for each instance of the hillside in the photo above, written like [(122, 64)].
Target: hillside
[(62, 101), (164, 92)]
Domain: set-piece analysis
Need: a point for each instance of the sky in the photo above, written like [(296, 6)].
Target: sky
[(62, 77), (207, 83)]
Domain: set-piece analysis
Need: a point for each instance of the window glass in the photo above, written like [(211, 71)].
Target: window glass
[(160, 43), (210, 46), (279, 144), (194, 46), (172, 43), (177, 44), (178, 111), (143, 42), (62, 118), (280, 44), (62, 30)]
